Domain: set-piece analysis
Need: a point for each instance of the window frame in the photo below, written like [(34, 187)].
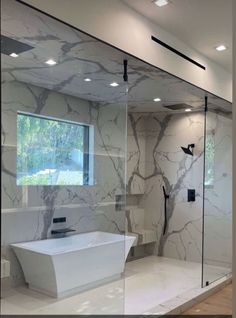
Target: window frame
[(88, 145)]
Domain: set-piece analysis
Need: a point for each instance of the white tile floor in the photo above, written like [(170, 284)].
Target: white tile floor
[(149, 282)]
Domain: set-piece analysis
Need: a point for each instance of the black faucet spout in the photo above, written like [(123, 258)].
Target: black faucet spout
[(62, 231)]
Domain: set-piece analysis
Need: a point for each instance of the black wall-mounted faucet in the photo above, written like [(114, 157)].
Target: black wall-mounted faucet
[(61, 232)]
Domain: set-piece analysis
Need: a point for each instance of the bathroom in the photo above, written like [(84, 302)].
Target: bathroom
[(131, 177)]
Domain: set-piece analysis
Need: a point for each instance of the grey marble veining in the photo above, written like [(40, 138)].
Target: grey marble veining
[(79, 56), (154, 138), (218, 196), (155, 159), (87, 208)]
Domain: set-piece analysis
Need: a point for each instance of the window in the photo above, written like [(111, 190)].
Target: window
[(210, 159), (51, 151)]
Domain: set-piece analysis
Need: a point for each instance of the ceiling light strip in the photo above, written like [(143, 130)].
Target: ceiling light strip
[(177, 52)]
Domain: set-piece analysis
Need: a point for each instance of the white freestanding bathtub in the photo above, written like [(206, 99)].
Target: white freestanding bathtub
[(63, 266)]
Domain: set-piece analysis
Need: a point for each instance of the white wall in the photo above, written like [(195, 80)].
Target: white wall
[(117, 24)]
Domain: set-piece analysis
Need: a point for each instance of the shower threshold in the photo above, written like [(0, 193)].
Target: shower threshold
[(179, 304)]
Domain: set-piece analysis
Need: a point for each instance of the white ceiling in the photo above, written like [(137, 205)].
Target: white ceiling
[(202, 24)]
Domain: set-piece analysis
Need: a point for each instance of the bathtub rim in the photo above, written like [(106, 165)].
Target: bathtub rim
[(21, 245)]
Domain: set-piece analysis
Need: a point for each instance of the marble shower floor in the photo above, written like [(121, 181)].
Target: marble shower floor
[(151, 285)]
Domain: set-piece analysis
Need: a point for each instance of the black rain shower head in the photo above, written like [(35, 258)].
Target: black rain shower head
[(187, 150), (9, 45)]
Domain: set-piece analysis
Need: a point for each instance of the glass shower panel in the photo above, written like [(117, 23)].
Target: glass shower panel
[(217, 214), (63, 150)]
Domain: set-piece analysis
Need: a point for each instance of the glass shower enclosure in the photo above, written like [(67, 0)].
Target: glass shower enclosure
[(217, 195), (64, 108), (85, 148)]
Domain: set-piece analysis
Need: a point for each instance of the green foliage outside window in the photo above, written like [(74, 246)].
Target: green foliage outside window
[(45, 150)]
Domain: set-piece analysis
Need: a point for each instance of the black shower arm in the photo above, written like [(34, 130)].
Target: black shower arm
[(191, 146)]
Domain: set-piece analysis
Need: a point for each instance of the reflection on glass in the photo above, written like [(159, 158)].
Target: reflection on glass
[(210, 159), (217, 249)]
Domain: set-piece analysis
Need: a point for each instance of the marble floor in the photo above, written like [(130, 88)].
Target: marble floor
[(148, 284)]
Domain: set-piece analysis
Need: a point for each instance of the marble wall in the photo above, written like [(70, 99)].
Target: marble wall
[(218, 196), (27, 211), (155, 159)]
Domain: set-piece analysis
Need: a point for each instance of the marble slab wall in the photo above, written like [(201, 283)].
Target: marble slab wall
[(136, 153), (27, 211), (218, 195), (160, 136)]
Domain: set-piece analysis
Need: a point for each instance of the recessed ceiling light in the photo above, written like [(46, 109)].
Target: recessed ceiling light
[(87, 80), (51, 62), (157, 99), (161, 3), (221, 48), (188, 109), (114, 84), (14, 55)]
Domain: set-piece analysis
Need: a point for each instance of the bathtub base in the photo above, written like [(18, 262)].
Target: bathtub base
[(76, 290), (65, 266)]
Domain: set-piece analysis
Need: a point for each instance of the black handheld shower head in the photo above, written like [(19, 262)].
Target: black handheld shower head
[(187, 150), (166, 196)]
